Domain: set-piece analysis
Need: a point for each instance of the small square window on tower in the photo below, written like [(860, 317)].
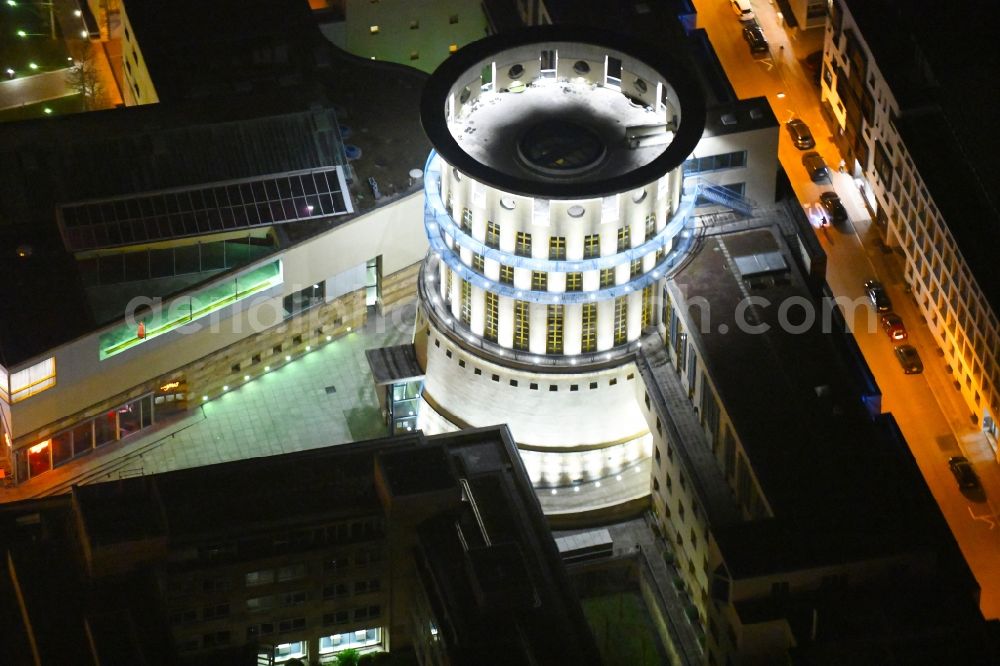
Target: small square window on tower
[(453, 19), (452, 48), (414, 55), (414, 24), (373, 29)]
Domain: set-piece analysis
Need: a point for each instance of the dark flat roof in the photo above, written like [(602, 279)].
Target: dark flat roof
[(193, 48), (393, 364), (268, 129), (509, 599), (823, 464)]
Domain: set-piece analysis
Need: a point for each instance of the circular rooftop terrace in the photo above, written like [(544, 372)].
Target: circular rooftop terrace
[(562, 113)]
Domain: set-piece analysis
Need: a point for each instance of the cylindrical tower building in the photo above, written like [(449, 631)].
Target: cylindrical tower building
[(554, 211)]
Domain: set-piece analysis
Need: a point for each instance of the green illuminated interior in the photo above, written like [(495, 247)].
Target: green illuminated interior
[(189, 308)]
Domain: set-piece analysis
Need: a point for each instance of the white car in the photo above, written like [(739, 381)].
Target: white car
[(743, 9)]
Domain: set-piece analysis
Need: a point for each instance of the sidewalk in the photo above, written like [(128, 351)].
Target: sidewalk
[(34, 89)]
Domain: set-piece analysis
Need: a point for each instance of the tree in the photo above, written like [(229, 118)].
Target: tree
[(84, 79), (348, 657)]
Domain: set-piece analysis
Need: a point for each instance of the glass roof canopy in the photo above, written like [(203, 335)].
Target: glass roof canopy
[(206, 209)]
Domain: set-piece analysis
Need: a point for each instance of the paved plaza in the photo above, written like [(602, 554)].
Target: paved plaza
[(324, 397)]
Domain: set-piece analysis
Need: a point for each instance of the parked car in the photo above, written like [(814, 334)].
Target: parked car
[(963, 471), (815, 166), (878, 297), (833, 208), (893, 326), (801, 136), (909, 358), (744, 11), (755, 38)]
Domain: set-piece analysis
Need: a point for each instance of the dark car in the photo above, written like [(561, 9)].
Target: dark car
[(834, 209), (893, 326), (755, 38), (964, 474), (878, 297), (815, 166), (801, 136), (909, 358)]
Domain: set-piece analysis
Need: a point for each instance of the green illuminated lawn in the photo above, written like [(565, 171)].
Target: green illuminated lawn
[(623, 630)]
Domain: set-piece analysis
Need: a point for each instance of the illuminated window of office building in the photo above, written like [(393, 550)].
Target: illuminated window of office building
[(574, 281), (635, 268), (621, 320), (466, 220), (506, 274), (492, 234), (591, 246), (588, 331), (647, 306), (539, 280), (557, 248), (624, 238), (478, 263), (522, 244), (607, 277), (650, 226), (492, 316), (466, 311), (554, 329), (521, 325), (35, 379)]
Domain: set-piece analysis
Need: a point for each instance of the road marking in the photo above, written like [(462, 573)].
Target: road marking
[(986, 518)]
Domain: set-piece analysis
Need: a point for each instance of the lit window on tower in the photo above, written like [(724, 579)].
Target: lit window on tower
[(574, 281), (591, 246), (554, 329), (607, 277), (506, 274), (522, 323), (522, 244), (647, 306), (624, 238), (492, 316), (621, 320), (650, 226), (588, 330), (557, 248), (466, 311), (492, 234), (539, 280)]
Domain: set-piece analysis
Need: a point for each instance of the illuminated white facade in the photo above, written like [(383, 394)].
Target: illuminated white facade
[(555, 211)]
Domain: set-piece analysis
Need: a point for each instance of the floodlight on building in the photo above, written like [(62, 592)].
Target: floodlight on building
[(267, 368), (246, 378), (225, 387), (288, 357)]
